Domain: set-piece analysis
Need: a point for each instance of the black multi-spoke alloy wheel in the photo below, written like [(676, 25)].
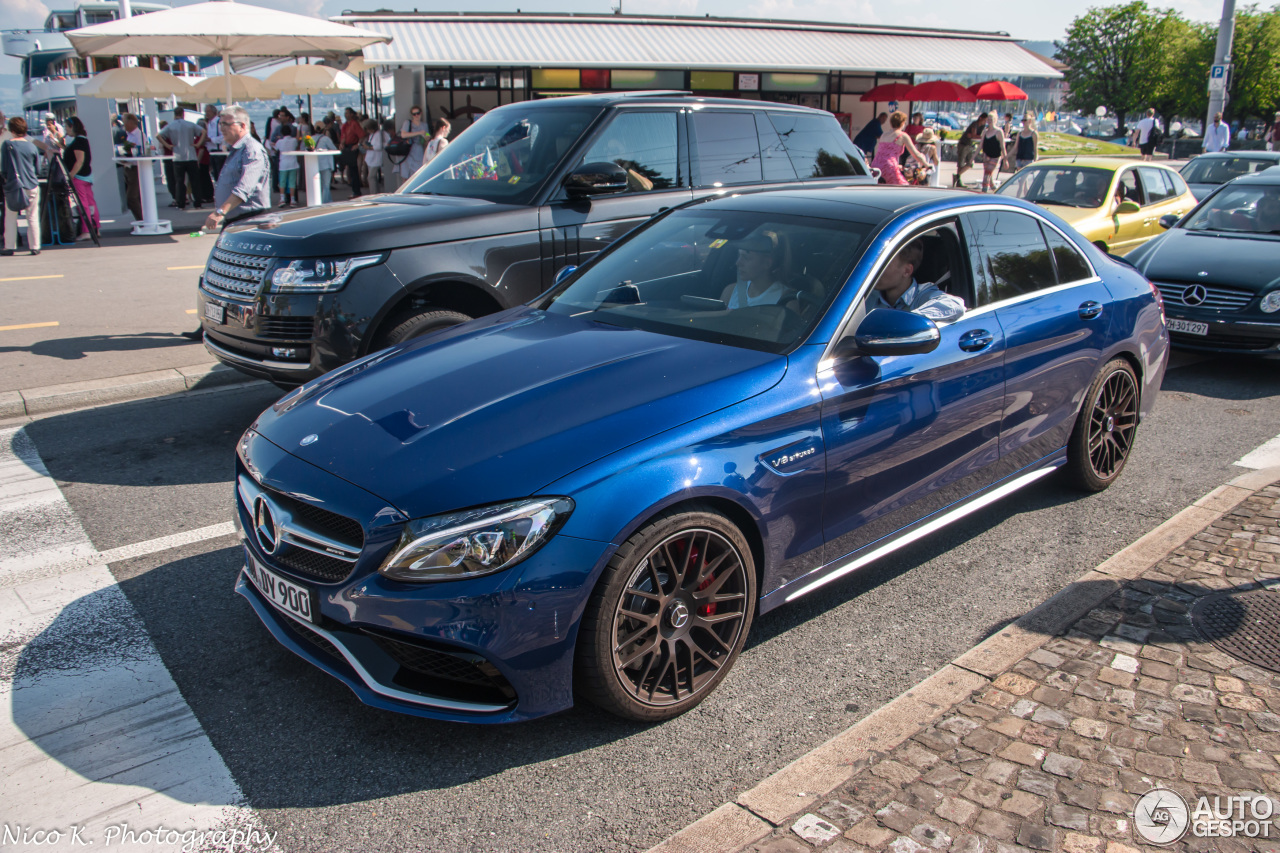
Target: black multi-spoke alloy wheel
[(668, 617), (1104, 431)]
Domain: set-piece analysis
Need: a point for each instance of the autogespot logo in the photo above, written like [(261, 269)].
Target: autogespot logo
[(1161, 816)]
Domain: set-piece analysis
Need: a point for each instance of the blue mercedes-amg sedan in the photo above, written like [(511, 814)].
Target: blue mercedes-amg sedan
[(744, 399)]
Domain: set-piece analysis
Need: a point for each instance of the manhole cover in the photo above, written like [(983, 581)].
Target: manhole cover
[(1245, 625)]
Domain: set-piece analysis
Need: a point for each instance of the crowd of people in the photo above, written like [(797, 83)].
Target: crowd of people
[(61, 152), (908, 152)]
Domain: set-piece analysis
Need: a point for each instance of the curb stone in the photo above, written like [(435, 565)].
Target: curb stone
[(811, 778), (118, 389)]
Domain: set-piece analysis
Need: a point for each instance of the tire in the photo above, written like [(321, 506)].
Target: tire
[(651, 646), (1104, 431), (412, 326)]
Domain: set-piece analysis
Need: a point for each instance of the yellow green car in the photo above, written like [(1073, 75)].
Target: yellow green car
[(1116, 204)]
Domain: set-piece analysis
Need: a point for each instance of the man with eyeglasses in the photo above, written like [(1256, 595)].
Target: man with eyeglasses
[(244, 185)]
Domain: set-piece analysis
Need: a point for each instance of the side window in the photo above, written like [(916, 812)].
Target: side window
[(1013, 255), (1070, 263), (728, 148), (1129, 186), (644, 144), (1155, 183), (818, 148), (773, 157), (1179, 185)]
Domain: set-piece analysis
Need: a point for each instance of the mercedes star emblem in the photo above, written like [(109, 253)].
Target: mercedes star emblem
[(309, 440), (1196, 294), (264, 526), (1202, 273), (679, 614)]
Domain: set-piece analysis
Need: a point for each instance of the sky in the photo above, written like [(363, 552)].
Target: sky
[(1019, 18)]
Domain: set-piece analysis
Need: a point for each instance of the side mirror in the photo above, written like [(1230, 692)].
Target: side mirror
[(1168, 220), (563, 273), (1129, 207), (596, 179), (886, 331)]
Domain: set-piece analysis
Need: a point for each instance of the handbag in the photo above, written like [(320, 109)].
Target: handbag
[(14, 198), (399, 147)]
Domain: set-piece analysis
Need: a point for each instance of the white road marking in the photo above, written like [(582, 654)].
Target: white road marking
[(1265, 456), (93, 731)]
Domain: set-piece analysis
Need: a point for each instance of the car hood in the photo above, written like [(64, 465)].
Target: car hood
[(1076, 215), (498, 408), (1202, 190), (373, 224), (1236, 260)]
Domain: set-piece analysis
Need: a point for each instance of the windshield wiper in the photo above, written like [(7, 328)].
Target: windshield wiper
[(1047, 200)]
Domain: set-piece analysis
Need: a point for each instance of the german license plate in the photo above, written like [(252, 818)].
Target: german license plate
[(215, 312), (1188, 327), (286, 595)]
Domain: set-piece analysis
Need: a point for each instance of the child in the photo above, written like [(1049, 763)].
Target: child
[(286, 145)]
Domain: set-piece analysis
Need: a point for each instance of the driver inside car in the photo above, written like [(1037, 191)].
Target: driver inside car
[(897, 289)]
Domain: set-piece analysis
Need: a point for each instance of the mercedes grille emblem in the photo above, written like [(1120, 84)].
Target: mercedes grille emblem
[(679, 614), (264, 526), (309, 440), (1196, 294)]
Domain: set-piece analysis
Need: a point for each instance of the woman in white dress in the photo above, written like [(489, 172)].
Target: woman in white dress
[(439, 140), (413, 130)]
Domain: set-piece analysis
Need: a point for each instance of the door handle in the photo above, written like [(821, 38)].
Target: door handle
[(978, 339), (1089, 310)]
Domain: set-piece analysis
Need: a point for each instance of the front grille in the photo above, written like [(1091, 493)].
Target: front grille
[(234, 273), (1215, 298), (313, 564), (325, 522), (457, 674), (290, 328)]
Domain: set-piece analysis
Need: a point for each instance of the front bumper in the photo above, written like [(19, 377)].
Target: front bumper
[(493, 649), (290, 338), (1253, 335)]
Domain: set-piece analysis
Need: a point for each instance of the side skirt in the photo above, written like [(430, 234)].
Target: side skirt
[(926, 526)]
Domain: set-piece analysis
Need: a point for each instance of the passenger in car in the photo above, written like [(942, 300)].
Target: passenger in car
[(897, 288), (762, 267), (1266, 217)]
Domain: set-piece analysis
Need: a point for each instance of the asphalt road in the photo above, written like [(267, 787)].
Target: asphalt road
[(332, 775)]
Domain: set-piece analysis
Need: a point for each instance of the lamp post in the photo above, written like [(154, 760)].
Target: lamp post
[(1221, 59)]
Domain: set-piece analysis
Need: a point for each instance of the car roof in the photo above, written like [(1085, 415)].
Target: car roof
[(853, 203), (658, 98), (1108, 163)]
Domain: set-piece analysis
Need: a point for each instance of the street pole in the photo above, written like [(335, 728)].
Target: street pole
[(1222, 56)]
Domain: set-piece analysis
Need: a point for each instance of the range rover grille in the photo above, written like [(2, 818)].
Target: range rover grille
[(292, 328), (234, 273)]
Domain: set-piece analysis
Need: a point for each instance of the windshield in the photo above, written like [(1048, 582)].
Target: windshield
[(1067, 186), (747, 279), (505, 156), (1246, 209), (1219, 170)]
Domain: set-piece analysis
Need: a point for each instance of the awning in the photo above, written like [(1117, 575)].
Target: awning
[(610, 41)]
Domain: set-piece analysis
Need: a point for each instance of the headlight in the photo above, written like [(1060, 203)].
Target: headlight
[(1271, 302), (475, 542), (319, 274)]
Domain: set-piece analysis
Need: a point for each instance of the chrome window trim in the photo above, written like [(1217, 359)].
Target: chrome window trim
[(938, 216)]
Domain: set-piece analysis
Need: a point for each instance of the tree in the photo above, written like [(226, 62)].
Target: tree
[(1254, 90), (1108, 57), (1177, 74)]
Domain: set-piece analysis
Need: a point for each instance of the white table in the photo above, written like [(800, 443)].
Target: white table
[(150, 223), (311, 170)]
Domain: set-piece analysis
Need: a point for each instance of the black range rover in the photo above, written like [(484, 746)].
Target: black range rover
[(527, 190)]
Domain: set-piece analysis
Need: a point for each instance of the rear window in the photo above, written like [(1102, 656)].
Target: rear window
[(818, 148)]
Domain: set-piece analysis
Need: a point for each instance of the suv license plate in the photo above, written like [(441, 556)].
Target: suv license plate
[(288, 596), (1188, 327), (215, 312)]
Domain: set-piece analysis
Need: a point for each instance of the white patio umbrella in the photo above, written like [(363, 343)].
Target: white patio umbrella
[(221, 28), (242, 86), (310, 80), (134, 82)]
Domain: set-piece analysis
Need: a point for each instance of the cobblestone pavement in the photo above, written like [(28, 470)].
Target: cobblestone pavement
[(1053, 754)]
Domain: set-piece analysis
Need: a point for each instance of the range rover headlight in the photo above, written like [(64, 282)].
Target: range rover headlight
[(1271, 302), (476, 541), (315, 275)]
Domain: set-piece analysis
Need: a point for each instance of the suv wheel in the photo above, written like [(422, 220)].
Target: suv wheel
[(416, 325)]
